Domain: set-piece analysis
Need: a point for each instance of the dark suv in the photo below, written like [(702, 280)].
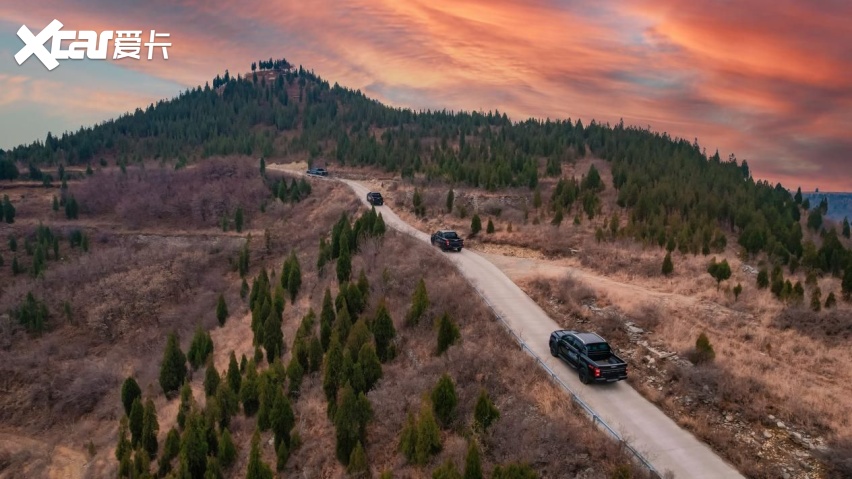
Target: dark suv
[(375, 198)]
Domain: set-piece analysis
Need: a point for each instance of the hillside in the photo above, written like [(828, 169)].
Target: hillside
[(119, 233)]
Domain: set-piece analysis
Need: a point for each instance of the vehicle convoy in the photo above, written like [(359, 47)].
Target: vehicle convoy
[(590, 354), (375, 198), (317, 172), (447, 240)]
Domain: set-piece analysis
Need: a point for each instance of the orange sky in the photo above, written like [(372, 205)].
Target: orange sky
[(768, 80)]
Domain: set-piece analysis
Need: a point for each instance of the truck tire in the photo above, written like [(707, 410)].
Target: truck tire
[(583, 372)]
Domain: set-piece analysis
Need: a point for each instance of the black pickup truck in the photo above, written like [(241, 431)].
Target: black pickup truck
[(590, 354), (447, 240)]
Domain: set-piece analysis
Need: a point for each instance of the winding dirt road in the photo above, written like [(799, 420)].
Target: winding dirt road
[(658, 438)]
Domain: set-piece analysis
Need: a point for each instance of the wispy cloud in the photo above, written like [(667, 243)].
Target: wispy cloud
[(768, 80)]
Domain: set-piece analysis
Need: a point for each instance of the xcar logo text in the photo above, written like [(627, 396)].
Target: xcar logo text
[(88, 43)]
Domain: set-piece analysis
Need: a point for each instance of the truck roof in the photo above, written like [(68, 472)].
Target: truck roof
[(589, 338)]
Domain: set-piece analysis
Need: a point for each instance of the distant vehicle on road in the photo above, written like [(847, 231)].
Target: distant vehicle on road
[(447, 240), (590, 354), (318, 172), (375, 198)]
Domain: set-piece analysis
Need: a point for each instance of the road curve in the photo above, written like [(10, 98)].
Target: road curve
[(657, 437)]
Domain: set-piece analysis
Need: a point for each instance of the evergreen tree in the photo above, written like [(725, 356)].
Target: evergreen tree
[(211, 379), (173, 367), (798, 196), (249, 391), (8, 210), (668, 266), (703, 350), (514, 471), (719, 271), (327, 319), (257, 469), (234, 377), (428, 439), (846, 284), (314, 355), (484, 412), (123, 447), (185, 407), (214, 471), (262, 165), (762, 279), (333, 369), (358, 336), (227, 450), (171, 449), (273, 337), (448, 333), (475, 225), (200, 348), (419, 303), (448, 470), (282, 419), (738, 289), (55, 203), (193, 447), (815, 220), (408, 438), (350, 422), (444, 400), (130, 390), (370, 365), (294, 278), (816, 299), (379, 227), (238, 219), (472, 463), (846, 232), (244, 289), (136, 417), (558, 217), (221, 310), (150, 428), (384, 333), (451, 196), (282, 455), (830, 301), (344, 260), (490, 228), (358, 466)]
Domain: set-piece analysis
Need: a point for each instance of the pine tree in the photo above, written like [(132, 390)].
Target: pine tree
[(428, 440), (130, 390), (475, 225), (490, 228), (514, 471), (267, 390), (668, 266), (358, 466), (484, 412), (333, 369), (408, 438), (358, 336), (384, 333), (344, 260), (294, 278), (314, 355), (273, 337), (221, 310), (234, 377), (200, 348), (282, 455), (257, 469), (55, 203), (558, 217), (472, 463), (150, 428), (350, 422), (370, 365), (846, 284), (214, 471), (703, 350), (173, 367), (537, 197), (123, 446), (227, 450), (845, 231), (816, 299), (244, 289), (238, 219), (249, 393), (448, 333), (379, 227), (719, 271), (444, 400), (451, 196), (762, 278), (830, 301), (738, 289), (282, 419), (185, 407), (211, 379), (171, 449), (327, 319), (419, 303), (447, 470), (194, 447)]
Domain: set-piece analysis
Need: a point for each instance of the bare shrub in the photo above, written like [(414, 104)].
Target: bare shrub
[(832, 326), (84, 387)]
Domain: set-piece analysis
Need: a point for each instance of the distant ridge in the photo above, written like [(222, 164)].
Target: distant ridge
[(839, 204)]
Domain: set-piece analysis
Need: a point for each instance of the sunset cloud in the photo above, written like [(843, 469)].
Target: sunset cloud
[(769, 81)]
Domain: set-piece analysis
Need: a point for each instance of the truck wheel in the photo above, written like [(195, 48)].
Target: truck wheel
[(584, 375)]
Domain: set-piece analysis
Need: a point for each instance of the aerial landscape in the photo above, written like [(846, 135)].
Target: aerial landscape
[(448, 240)]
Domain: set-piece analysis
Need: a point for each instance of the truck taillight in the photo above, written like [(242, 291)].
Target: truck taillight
[(597, 372), (448, 242)]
